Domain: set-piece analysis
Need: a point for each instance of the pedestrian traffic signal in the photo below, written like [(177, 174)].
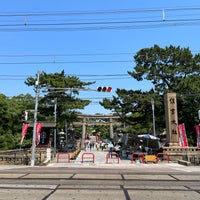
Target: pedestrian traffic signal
[(104, 89), (24, 115)]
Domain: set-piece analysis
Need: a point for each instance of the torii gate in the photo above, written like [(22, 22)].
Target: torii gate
[(86, 122)]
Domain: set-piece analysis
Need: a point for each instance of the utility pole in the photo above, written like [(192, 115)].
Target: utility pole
[(35, 120), (199, 114), (66, 132), (55, 119), (154, 129)]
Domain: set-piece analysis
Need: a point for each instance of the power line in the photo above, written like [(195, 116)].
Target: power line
[(96, 12), (92, 77), (66, 55), (66, 62), (66, 24), (161, 24), (73, 54)]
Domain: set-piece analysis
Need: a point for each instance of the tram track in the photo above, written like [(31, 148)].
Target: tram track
[(105, 185)]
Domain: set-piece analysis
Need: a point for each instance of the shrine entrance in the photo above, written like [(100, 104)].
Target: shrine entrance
[(91, 120)]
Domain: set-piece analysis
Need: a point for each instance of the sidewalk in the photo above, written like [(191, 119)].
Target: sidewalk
[(99, 156), (87, 156), (112, 164), (100, 161)]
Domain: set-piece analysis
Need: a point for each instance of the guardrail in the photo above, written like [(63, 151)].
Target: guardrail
[(63, 153), (86, 156), (138, 156), (163, 156), (109, 156)]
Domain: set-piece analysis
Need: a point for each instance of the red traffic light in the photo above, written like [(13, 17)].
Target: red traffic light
[(104, 89), (109, 89)]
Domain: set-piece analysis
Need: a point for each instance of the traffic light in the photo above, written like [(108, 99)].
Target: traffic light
[(109, 89), (104, 89), (24, 115)]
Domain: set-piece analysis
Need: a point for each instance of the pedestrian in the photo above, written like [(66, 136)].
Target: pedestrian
[(90, 145), (117, 149), (110, 148), (102, 146)]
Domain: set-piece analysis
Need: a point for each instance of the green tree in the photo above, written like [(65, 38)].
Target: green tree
[(65, 90), (4, 113), (169, 69), (10, 119), (172, 69), (134, 109)]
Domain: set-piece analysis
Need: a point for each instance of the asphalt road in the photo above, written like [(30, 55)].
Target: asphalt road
[(100, 183)]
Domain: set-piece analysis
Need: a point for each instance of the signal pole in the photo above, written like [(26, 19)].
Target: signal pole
[(35, 119)]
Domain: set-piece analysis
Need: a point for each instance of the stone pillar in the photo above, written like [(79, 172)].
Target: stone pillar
[(111, 128), (83, 133), (171, 118)]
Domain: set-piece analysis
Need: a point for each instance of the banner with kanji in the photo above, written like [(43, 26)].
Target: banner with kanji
[(24, 131), (182, 136), (197, 130), (38, 132)]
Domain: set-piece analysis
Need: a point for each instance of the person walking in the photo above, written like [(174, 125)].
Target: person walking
[(117, 149), (110, 148)]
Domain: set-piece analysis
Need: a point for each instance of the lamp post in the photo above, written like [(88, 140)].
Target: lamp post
[(152, 105), (62, 136)]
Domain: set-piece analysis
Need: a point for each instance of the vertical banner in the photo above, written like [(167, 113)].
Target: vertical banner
[(197, 130), (182, 136), (38, 131), (24, 131)]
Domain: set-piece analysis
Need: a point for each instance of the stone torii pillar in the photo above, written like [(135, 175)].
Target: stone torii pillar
[(111, 128), (84, 133)]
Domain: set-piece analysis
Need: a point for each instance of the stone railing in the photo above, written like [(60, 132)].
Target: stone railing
[(23, 156), (189, 154)]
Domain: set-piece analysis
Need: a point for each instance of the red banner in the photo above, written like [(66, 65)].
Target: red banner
[(182, 136), (38, 131), (197, 129), (24, 131)]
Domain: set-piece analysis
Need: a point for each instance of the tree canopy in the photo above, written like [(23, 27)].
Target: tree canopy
[(53, 87), (62, 88), (10, 119), (169, 69)]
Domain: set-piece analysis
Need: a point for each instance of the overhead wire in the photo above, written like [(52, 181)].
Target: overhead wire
[(87, 77), (168, 22), (96, 12), (69, 24), (148, 25)]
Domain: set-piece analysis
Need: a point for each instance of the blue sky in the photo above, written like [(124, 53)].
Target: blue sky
[(109, 51)]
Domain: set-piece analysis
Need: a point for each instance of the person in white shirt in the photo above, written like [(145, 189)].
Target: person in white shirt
[(117, 149)]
